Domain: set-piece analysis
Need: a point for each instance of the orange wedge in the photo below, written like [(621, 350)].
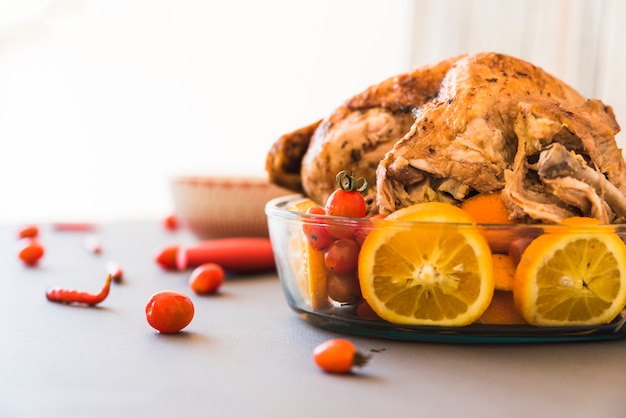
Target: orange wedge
[(308, 263)]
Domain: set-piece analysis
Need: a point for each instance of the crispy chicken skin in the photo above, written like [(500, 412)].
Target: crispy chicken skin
[(355, 137), (464, 140)]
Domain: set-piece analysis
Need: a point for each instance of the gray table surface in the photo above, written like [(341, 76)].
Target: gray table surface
[(246, 354)]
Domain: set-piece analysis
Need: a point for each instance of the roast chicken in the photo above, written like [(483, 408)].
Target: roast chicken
[(471, 124), (354, 137)]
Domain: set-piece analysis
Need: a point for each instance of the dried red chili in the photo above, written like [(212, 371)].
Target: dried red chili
[(62, 295)]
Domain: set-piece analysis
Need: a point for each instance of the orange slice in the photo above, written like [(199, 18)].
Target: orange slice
[(429, 270), (573, 275), (308, 264)]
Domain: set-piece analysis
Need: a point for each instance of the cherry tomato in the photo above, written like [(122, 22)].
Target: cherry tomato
[(347, 199), (342, 228), (30, 251), (207, 278), (338, 355), (115, 270), (92, 244), (317, 235), (30, 231), (170, 222), (343, 288), (168, 311), (363, 231), (364, 311), (166, 257), (517, 247), (342, 256)]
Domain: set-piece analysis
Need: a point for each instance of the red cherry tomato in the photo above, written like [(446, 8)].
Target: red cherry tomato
[(364, 311), (317, 235), (363, 230), (30, 231), (115, 270), (342, 256), (207, 278), (343, 288), (169, 312), (170, 222), (30, 251), (166, 257), (338, 355), (347, 199), (517, 247)]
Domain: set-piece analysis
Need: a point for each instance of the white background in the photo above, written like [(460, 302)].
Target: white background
[(102, 102)]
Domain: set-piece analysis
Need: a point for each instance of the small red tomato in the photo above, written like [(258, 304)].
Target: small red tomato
[(317, 235), (170, 222), (338, 355), (30, 231), (363, 231), (364, 311), (166, 257), (342, 256), (517, 247), (342, 228), (347, 199), (207, 278), (168, 311), (116, 272), (30, 251), (92, 244), (343, 288)]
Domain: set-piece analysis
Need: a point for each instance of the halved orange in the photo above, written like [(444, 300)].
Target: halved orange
[(573, 275), (307, 263), (433, 269)]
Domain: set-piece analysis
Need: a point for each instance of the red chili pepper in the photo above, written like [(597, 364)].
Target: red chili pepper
[(239, 255), (73, 226), (62, 295)]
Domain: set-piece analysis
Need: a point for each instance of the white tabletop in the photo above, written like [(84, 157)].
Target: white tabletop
[(246, 354)]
